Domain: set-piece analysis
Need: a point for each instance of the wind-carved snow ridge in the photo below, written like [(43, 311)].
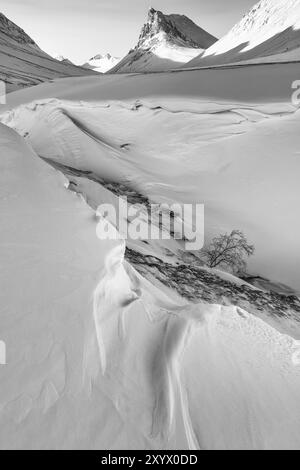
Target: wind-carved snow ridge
[(167, 379), (175, 324), (108, 299), (168, 335), (165, 365), (119, 287)]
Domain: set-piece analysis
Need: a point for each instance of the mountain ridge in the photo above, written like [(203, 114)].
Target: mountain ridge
[(269, 32), (23, 63), (101, 63), (15, 32)]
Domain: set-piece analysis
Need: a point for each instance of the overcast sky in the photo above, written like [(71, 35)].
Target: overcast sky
[(79, 29)]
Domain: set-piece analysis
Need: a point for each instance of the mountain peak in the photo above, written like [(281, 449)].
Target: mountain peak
[(101, 56), (62, 59), (165, 42), (101, 63), (174, 28)]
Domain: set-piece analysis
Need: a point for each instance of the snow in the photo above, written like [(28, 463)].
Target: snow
[(226, 153), (233, 85), (79, 376), (102, 63), (61, 58), (100, 356), (269, 32), (163, 56)]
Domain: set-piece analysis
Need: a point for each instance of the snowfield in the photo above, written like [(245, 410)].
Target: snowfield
[(131, 344), (100, 358), (238, 157)]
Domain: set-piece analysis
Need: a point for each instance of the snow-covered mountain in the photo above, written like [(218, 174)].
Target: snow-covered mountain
[(63, 59), (102, 63), (23, 63), (270, 32), (165, 42)]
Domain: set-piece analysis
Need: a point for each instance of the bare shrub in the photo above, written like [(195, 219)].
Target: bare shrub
[(229, 251)]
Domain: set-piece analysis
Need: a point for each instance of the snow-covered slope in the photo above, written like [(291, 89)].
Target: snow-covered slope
[(270, 32), (165, 42), (100, 358), (23, 63), (102, 63), (190, 139)]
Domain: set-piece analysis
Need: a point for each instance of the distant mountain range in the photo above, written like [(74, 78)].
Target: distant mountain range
[(270, 32), (63, 59), (101, 63), (23, 63), (165, 42)]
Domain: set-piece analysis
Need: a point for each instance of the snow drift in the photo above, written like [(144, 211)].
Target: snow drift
[(79, 375)]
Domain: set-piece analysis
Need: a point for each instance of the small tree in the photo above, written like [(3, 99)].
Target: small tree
[(229, 250)]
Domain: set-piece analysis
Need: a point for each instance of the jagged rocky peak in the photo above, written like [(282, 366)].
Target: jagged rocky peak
[(174, 28), (100, 56), (165, 42), (10, 29)]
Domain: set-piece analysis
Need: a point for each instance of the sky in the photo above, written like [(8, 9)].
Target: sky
[(80, 29)]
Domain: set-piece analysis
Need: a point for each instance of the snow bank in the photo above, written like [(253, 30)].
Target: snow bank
[(253, 84), (240, 160)]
